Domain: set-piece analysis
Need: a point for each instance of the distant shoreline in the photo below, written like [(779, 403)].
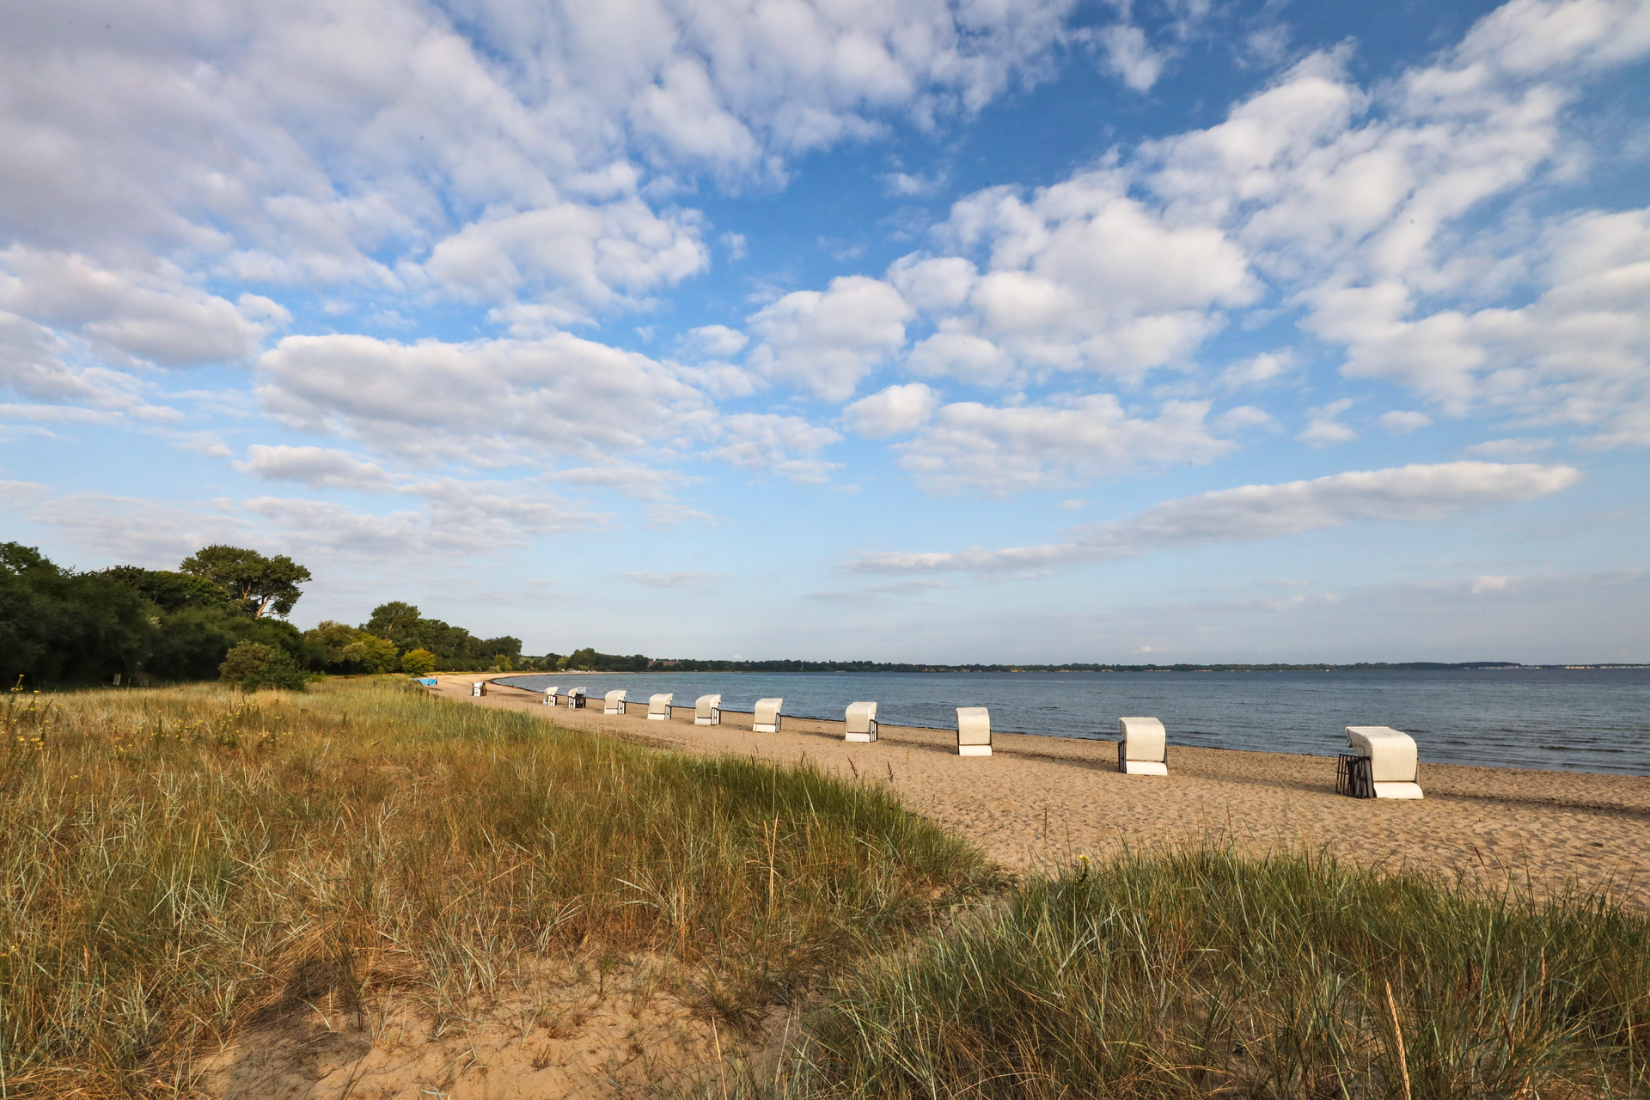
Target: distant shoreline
[(691, 666)]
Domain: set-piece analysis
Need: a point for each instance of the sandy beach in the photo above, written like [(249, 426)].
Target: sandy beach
[(1039, 800)]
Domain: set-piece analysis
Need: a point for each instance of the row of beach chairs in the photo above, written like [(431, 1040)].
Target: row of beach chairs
[(1382, 762)]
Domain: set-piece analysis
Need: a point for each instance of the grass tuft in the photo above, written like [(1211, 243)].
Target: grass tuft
[(1206, 973), (182, 863)]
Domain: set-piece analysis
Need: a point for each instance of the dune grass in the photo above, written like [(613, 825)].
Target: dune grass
[(181, 862), (1206, 973)]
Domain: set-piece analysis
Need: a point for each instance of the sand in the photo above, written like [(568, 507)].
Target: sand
[(1040, 801)]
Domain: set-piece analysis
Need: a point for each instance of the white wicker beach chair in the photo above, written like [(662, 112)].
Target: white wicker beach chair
[(707, 710), (1142, 747), (575, 698), (615, 702), (550, 696), (973, 731), (658, 707), (767, 718), (478, 688), (1383, 763), (861, 723)]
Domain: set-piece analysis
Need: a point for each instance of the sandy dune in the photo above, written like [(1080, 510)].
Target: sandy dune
[(1043, 799)]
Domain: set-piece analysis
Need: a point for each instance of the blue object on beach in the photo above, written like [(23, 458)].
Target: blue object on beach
[(427, 681)]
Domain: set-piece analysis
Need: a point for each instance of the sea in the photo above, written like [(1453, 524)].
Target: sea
[(1580, 719)]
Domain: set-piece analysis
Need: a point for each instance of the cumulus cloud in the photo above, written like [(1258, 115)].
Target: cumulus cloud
[(487, 401), (1324, 428), (893, 411), (1128, 56), (1403, 421), (316, 468), (784, 445), (1256, 512), (828, 341), (1000, 450)]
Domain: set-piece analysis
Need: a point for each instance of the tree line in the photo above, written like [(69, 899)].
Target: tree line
[(220, 615)]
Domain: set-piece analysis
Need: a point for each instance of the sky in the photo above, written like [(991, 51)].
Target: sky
[(910, 330)]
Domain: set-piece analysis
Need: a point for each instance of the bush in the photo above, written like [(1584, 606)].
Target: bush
[(254, 666), (418, 662)]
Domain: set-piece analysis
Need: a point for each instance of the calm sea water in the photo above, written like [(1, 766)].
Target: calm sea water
[(1590, 720)]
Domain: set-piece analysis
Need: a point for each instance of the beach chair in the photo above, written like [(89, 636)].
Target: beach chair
[(1142, 747), (478, 689), (861, 724), (658, 707), (1383, 763), (707, 710), (575, 698), (766, 719), (550, 696), (615, 702), (973, 731)]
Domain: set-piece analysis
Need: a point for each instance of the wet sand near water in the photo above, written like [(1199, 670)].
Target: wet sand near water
[(1046, 800)]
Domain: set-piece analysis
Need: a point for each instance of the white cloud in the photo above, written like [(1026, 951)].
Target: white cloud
[(827, 342), (490, 401), (714, 342), (1489, 584), (148, 317), (1003, 450), (672, 580), (1128, 57), (904, 185), (1242, 417), (1324, 429), (893, 411), (1256, 512), (1257, 370), (1504, 448), (781, 444), (1402, 421), (315, 467)]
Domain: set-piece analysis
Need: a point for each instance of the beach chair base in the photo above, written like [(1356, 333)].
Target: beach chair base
[(658, 718), (763, 727), (1398, 790), (713, 720), (973, 750), (860, 738), (1143, 767), (616, 710)]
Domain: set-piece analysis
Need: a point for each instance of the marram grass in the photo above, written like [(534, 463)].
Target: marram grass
[(1205, 974), (177, 863)]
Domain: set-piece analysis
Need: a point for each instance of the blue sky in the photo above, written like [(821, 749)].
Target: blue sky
[(907, 331)]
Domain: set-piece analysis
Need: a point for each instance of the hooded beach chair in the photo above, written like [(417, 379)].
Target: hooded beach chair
[(707, 710), (1383, 763), (615, 702), (861, 724), (973, 731), (658, 707), (550, 696), (478, 688), (1142, 747), (575, 698), (766, 719)]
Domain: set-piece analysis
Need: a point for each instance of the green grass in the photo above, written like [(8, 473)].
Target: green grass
[(181, 862), (1208, 974)]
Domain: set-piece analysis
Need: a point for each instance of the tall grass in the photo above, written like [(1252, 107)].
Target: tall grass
[(1209, 974), (179, 863)]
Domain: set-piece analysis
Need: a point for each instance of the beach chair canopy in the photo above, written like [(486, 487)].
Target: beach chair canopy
[(1142, 747), (658, 706), (973, 731), (1394, 761), (861, 722), (766, 718), (615, 702), (707, 710)]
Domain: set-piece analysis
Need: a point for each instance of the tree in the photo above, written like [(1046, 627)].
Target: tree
[(418, 662), (60, 625), (261, 584), (390, 620)]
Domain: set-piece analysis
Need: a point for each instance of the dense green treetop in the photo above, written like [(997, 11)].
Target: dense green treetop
[(262, 584)]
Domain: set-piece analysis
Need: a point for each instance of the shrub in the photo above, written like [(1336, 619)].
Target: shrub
[(254, 665), (418, 662)]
